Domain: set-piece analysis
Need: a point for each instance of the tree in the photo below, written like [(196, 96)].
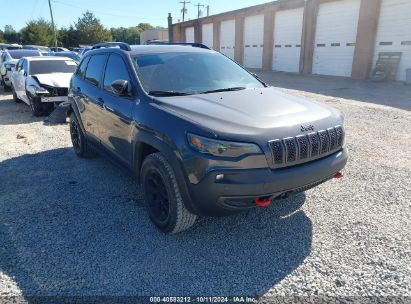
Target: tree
[(10, 35), (1, 36), (67, 37), (90, 30), (130, 35), (38, 32)]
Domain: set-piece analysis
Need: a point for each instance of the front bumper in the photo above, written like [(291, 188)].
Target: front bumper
[(239, 187)]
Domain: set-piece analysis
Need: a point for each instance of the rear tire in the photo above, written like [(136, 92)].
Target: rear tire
[(79, 141), (161, 192)]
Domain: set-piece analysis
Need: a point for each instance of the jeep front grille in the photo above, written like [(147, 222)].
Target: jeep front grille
[(303, 148)]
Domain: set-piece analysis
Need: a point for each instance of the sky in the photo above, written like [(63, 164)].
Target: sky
[(115, 13)]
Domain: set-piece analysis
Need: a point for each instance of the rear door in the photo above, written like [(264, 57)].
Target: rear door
[(118, 110), (91, 101)]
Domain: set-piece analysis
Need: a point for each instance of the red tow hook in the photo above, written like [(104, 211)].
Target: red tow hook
[(262, 202), (338, 175)]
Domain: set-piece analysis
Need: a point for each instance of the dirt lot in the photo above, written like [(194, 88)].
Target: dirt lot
[(79, 227)]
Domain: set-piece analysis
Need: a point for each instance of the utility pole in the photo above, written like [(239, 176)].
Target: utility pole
[(198, 9), (54, 27), (208, 10), (184, 7)]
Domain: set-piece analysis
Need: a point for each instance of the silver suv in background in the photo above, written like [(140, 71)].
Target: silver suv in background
[(8, 62)]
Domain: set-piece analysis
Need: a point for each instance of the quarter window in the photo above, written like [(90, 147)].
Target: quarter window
[(115, 70), (82, 68), (95, 68)]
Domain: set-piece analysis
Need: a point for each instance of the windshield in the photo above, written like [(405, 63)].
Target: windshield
[(191, 73), (52, 66), (17, 54)]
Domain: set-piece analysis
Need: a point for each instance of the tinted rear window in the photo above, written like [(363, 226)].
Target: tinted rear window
[(17, 54), (52, 66), (95, 68)]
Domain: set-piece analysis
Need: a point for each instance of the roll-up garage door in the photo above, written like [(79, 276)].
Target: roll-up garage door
[(336, 34), (394, 33), (288, 29), (253, 41), (190, 34), (227, 38), (207, 34)]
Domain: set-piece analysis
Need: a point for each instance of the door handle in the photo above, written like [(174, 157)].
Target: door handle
[(100, 102)]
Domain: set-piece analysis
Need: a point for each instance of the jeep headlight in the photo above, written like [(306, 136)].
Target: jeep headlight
[(221, 148)]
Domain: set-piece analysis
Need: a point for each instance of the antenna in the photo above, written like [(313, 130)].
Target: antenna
[(184, 10)]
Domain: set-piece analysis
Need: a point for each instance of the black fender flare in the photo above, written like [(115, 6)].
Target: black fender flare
[(73, 108), (145, 137)]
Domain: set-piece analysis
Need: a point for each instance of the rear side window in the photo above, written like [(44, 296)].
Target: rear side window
[(115, 70), (81, 71), (95, 68)]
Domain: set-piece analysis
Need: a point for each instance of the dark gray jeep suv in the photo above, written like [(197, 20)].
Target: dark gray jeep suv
[(203, 136)]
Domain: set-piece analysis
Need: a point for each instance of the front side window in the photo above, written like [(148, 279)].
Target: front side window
[(19, 65), (52, 66), (25, 65), (191, 73), (95, 68), (115, 70)]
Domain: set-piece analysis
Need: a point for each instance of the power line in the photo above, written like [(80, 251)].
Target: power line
[(34, 8), (184, 7), (107, 14), (198, 9)]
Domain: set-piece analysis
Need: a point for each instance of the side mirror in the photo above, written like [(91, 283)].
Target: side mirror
[(120, 87)]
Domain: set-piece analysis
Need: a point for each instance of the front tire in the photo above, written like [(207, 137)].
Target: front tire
[(79, 141), (35, 105), (6, 88), (15, 98), (161, 192)]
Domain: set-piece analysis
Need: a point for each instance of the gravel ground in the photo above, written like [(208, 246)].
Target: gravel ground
[(79, 227)]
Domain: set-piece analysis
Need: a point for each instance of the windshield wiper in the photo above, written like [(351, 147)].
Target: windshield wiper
[(224, 90), (167, 93)]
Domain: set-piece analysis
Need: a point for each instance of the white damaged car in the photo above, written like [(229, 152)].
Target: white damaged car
[(42, 82)]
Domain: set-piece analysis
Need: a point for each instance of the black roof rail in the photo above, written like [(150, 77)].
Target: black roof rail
[(122, 45), (193, 44)]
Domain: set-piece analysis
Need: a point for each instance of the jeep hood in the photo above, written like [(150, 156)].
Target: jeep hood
[(265, 111), (58, 80)]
